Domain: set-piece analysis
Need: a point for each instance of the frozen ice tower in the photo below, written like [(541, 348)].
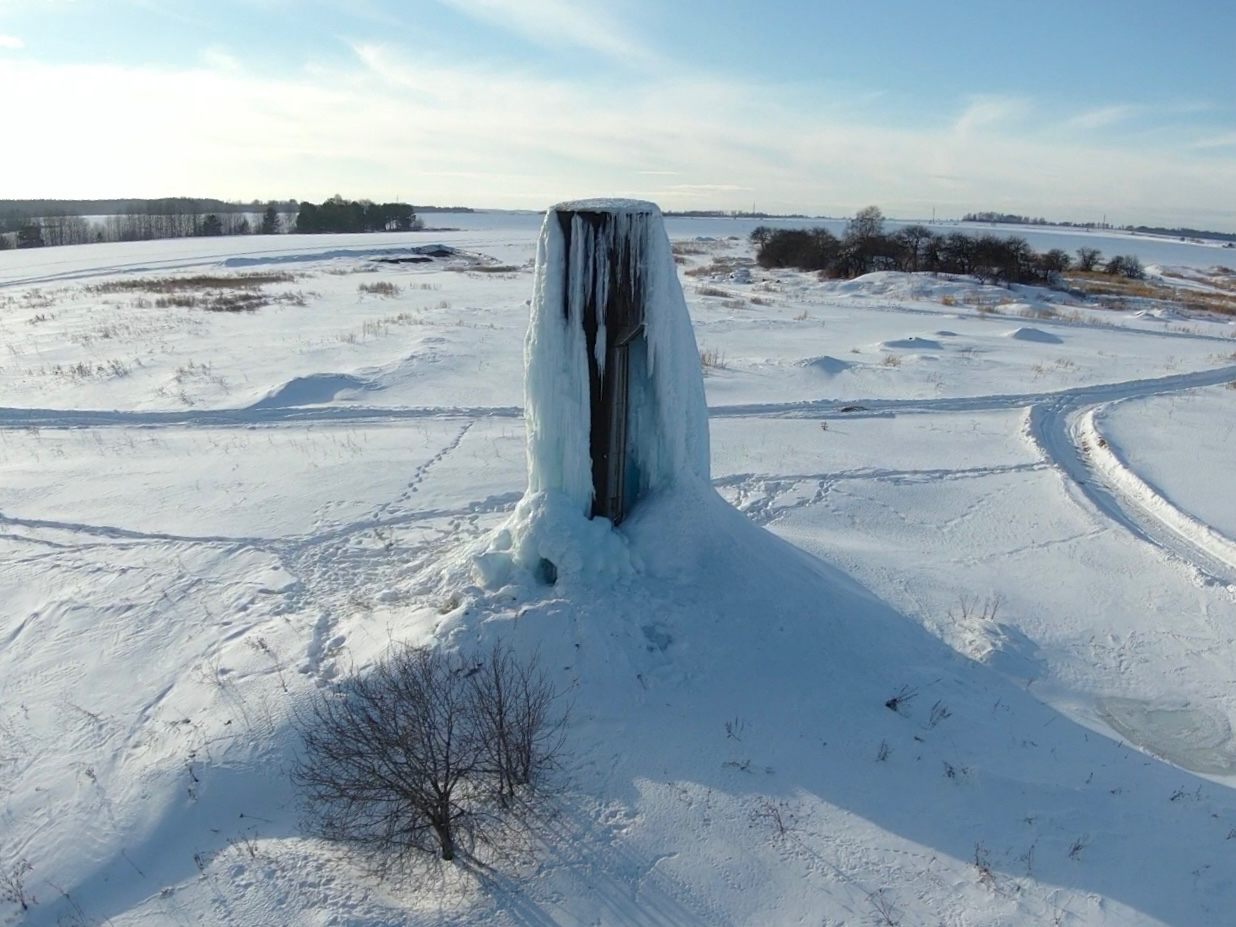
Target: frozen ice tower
[(614, 395)]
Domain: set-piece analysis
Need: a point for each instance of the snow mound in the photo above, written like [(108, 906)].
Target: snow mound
[(1164, 315), (829, 366), (1196, 738), (1037, 335), (314, 390)]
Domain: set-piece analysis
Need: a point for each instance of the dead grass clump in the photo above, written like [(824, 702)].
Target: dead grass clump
[(1206, 302), (383, 288), (712, 291), (242, 301), (348, 271), (712, 359), (686, 247), (734, 303), (892, 360), (188, 284), (948, 300), (718, 268), (495, 269), (760, 301)]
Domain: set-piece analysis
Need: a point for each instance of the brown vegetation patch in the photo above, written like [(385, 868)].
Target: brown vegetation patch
[(188, 284)]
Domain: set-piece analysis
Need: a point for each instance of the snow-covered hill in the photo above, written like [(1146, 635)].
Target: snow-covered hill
[(952, 641)]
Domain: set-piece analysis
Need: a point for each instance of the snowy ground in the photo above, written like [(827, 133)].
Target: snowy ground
[(1014, 509)]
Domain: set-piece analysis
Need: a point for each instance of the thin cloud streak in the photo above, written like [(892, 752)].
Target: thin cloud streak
[(548, 23)]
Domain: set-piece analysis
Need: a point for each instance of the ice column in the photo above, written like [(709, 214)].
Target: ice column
[(614, 394)]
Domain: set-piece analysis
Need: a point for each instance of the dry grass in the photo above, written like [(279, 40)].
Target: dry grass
[(760, 301), (712, 291), (711, 359), (1119, 288), (352, 269), (685, 247), (189, 284), (948, 300), (486, 269), (892, 360), (718, 268), (383, 288), (211, 292)]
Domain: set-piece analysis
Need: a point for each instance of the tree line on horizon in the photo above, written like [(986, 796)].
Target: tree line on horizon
[(34, 224), (865, 247)]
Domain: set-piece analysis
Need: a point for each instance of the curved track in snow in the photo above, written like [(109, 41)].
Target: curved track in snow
[(1063, 427)]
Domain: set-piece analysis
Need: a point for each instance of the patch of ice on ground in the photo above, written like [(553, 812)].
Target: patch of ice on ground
[(829, 366), (1195, 738), (914, 343)]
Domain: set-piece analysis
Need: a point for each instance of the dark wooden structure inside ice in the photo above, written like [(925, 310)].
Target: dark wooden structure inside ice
[(612, 254)]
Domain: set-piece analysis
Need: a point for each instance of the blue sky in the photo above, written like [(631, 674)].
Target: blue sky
[(1069, 110)]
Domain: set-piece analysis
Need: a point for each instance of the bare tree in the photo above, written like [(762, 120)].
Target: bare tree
[(428, 753), (1088, 259), (513, 703)]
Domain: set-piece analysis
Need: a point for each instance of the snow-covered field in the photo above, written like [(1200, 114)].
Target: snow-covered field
[(1012, 512)]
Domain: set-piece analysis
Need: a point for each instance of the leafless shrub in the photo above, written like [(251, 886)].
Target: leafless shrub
[(430, 754), (13, 884), (1076, 847), (903, 697), (969, 608), (892, 360), (886, 914), (780, 815), (982, 863), (939, 711), (382, 288)]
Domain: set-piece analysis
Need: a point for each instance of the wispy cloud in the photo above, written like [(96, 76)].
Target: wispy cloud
[(582, 23), (986, 112), (11, 42), (1226, 140), (1102, 118)]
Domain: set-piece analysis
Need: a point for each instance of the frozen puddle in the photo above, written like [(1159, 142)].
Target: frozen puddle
[(1197, 739)]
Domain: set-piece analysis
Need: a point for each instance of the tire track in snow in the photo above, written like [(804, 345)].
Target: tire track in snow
[(1063, 429), (31, 419)]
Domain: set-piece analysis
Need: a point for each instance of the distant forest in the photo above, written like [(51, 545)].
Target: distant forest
[(1008, 218), (43, 223), (728, 214)]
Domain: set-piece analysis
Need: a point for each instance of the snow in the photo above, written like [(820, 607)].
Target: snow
[(1024, 544)]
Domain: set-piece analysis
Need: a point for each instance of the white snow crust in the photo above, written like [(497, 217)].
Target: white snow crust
[(1023, 544)]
